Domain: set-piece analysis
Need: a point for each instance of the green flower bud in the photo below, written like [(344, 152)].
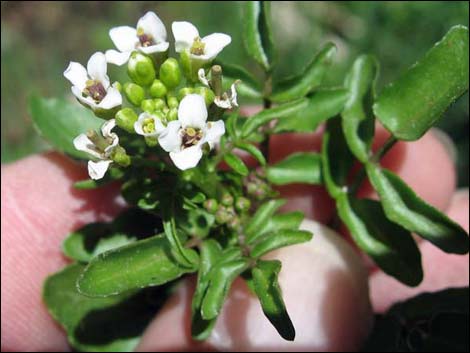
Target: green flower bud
[(234, 223), (151, 141), (222, 216), (158, 89), (242, 204), (148, 105), (172, 102), (159, 104), (120, 157), (211, 205), (140, 69), (183, 92), (125, 119), (227, 199), (106, 114), (172, 114), (206, 93), (134, 93), (170, 73), (118, 86)]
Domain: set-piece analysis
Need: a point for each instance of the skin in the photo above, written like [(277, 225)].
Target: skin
[(40, 206)]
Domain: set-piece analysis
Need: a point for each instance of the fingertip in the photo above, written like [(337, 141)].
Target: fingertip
[(39, 208), (324, 286), (441, 270)]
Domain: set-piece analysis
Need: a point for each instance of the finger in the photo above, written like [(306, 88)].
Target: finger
[(325, 290), (39, 208), (441, 270)]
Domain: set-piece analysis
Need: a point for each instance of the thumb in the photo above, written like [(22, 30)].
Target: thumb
[(325, 290)]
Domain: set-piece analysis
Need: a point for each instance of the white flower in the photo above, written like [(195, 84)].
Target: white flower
[(148, 125), (203, 49), (91, 85), (228, 100), (100, 148), (149, 37), (185, 137)]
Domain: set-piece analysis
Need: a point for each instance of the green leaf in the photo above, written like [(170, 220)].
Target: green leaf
[(231, 125), (236, 164), (279, 239), (249, 85), (301, 167), (210, 254), (221, 280), (112, 324), (185, 257), (337, 159), (391, 247), (96, 238), (59, 122), (282, 111), (289, 220), (260, 219), (357, 117), (265, 280), (409, 106), (308, 80), (403, 206), (144, 263), (323, 105), (257, 33), (253, 150)]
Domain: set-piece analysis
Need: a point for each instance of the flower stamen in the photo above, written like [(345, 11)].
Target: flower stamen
[(95, 90), (146, 40), (190, 137), (198, 47)]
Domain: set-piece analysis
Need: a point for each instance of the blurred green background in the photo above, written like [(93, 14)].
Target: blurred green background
[(38, 39)]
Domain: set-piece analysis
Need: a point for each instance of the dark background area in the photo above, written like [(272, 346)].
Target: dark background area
[(38, 39)]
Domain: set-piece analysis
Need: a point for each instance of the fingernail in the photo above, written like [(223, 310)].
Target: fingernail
[(446, 142)]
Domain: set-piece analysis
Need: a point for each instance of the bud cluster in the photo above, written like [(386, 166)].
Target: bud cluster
[(228, 210)]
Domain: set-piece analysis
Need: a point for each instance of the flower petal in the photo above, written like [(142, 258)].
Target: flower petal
[(192, 111), (223, 103), (233, 93), (88, 101), (187, 158), (184, 33), (97, 67), (215, 42), (97, 170), (138, 125), (117, 58), (158, 48), (76, 74), (112, 99), (124, 38), (107, 127), (201, 74), (84, 144), (152, 25), (215, 130), (170, 139)]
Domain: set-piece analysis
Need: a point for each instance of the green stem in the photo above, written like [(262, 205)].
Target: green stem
[(266, 105), (375, 158)]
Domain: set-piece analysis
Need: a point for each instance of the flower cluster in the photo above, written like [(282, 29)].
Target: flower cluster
[(175, 97)]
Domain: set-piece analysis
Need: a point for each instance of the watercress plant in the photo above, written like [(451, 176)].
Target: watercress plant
[(169, 137)]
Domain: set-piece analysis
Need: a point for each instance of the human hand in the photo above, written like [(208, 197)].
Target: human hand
[(40, 207)]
